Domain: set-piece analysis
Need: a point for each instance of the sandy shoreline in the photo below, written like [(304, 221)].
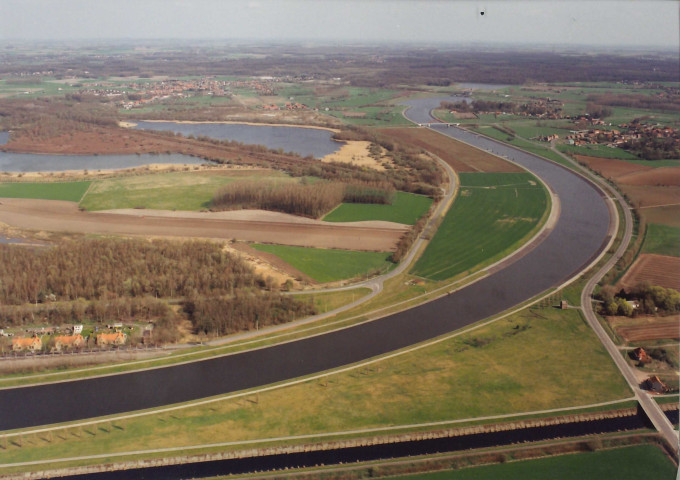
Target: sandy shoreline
[(230, 122)]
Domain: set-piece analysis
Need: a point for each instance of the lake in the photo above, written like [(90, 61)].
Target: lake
[(305, 141), (4, 138), (31, 162)]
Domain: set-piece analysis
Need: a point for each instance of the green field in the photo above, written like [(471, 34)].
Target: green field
[(406, 208), (629, 463), (597, 151), (70, 191), (493, 211), (528, 361), (165, 191), (662, 240), (328, 265)]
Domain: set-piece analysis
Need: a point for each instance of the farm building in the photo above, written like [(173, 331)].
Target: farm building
[(117, 338), (32, 344), (68, 341), (655, 385), (640, 355)]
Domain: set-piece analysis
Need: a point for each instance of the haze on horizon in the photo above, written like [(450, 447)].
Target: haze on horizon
[(549, 23)]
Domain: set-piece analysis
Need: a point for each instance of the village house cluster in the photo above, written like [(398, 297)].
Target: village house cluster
[(626, 132), (70, 339)]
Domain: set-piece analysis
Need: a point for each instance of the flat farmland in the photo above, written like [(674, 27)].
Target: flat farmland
[(461, 157), (655, 330), (493, 212), (329, 265), (662, 240), (658, 270), (168, 191), (406, 208), (270, 227), (69, 191), (628, 463)]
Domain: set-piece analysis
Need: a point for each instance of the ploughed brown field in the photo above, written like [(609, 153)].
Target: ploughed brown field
[(659, 270), (460, 156), (655, 191), (656, 330), (59, 216)]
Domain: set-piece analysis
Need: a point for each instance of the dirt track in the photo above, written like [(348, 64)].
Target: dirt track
[(62, 216)]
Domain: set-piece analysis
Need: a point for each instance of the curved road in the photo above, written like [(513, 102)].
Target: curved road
[(579, 235)]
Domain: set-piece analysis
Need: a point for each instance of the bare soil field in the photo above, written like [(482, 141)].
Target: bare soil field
[(59, 216), (653, 190), (663, 176), (647, 196), (669, 215), (612, 168), (656, 329), (659, 270), (461, 157)]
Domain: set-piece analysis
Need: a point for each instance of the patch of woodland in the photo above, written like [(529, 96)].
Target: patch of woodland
[(134, 280), (306, 199), (650, 300)]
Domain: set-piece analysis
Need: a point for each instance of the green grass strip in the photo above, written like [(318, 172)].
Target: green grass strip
[(70, 191), (629, 463), (327, 265), (406, 208)]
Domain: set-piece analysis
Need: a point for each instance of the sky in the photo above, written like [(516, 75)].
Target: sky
[(608, 23)]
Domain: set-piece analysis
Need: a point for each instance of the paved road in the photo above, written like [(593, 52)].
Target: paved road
[(579, 235)]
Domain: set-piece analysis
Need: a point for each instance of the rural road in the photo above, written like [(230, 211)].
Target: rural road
[(579, 235)]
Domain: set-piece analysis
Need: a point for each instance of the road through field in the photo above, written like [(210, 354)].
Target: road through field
[(579, 235)]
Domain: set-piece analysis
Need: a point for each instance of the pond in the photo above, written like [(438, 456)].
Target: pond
[(305, 141)]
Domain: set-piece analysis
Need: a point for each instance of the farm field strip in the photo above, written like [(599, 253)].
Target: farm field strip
[(662, 240), (329, 265), (483, 223), (627, 463), (655, 331), (68, 191), (406, 208), (166, 191), (64, 216), (658, 270), (460, 156)]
